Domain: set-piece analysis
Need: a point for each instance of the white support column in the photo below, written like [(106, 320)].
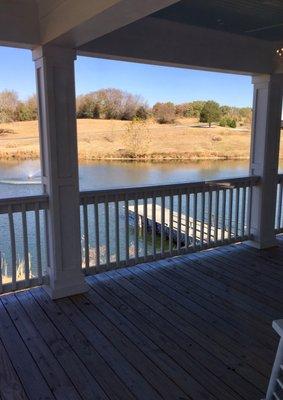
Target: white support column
[(58, 139), (264, 157)]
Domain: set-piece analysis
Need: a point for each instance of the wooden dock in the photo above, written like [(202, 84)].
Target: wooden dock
[(183, 225)]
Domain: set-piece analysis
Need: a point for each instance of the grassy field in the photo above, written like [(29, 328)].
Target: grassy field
[(109, 139)]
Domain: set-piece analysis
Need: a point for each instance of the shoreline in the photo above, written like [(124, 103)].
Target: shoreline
[(159, 158)]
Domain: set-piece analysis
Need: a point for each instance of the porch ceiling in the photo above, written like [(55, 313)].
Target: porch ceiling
[(167, 42), (226, 35), (262, 19)]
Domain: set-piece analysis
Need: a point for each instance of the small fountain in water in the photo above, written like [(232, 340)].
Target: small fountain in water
[(29, 178), (35, 175)]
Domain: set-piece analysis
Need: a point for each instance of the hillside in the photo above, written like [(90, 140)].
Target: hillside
[(111, 139)]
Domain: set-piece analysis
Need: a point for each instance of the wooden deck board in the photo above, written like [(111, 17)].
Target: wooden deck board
[(53, 373), (226, 332), (135, 349), (27, 370), (206, 339), (10, 385), (157, 348), (195, 327), (170, 339), (66, 355)]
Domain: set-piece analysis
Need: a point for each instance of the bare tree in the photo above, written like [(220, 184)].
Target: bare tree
[(110, 104), (8, 105), (136, 139)]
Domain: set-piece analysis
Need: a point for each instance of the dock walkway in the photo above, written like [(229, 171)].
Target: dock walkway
[(186, 227)]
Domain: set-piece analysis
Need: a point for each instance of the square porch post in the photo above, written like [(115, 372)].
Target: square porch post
[(265, 144), (59, 162)]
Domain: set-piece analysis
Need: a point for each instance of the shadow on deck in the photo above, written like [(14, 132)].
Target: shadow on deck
[(192, 327)]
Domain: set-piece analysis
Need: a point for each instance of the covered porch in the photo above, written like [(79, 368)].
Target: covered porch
[(188, 319)]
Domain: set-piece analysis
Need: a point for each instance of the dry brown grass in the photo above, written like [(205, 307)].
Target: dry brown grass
[(105, 139)]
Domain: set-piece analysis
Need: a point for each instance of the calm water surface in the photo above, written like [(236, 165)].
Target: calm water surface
[(14, 175)]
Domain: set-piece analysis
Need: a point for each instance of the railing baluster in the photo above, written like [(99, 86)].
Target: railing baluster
[(202, 217), (86, 237), (145, 228), (117, 232), (243, 212), (154, 225), (187, 233), (230, 214), (127, 244), (237, 212), (216, 216), (13, 248), (107, 241), (25, 243), (250, 194), (96, 228), (171, 225), (162, 223), (280, 198), (195, 221), (179, 222), (209, 216), (223, 227), (136, 231), (38, 243)]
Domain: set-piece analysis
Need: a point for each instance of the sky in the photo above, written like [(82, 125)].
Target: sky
[(153, 83)]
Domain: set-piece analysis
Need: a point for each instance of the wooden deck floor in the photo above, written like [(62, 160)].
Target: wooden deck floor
[(193, 327)]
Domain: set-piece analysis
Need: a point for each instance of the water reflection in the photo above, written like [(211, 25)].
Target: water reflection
[(117, 174), (14, 175)]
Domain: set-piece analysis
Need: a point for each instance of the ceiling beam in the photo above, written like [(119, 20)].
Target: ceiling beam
[(19, 25), (73, 22), (158, 41)]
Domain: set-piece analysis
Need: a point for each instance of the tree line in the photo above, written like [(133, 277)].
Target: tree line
[(14, 109), (118, 104)]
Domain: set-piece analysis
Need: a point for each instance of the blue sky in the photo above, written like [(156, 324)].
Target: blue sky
[(154, 83)]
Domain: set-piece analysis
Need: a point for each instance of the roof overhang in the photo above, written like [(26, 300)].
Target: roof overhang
[(186, 33), (163, 42)]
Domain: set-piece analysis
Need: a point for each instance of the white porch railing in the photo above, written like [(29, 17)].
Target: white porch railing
[(279, 206), (22, 242), (132, 225)]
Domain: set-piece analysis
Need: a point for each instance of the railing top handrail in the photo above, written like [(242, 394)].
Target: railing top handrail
[(42, 200), (247, 180), (16, 203)]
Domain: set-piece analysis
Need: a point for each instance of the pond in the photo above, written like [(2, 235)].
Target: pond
[(22, 178)]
